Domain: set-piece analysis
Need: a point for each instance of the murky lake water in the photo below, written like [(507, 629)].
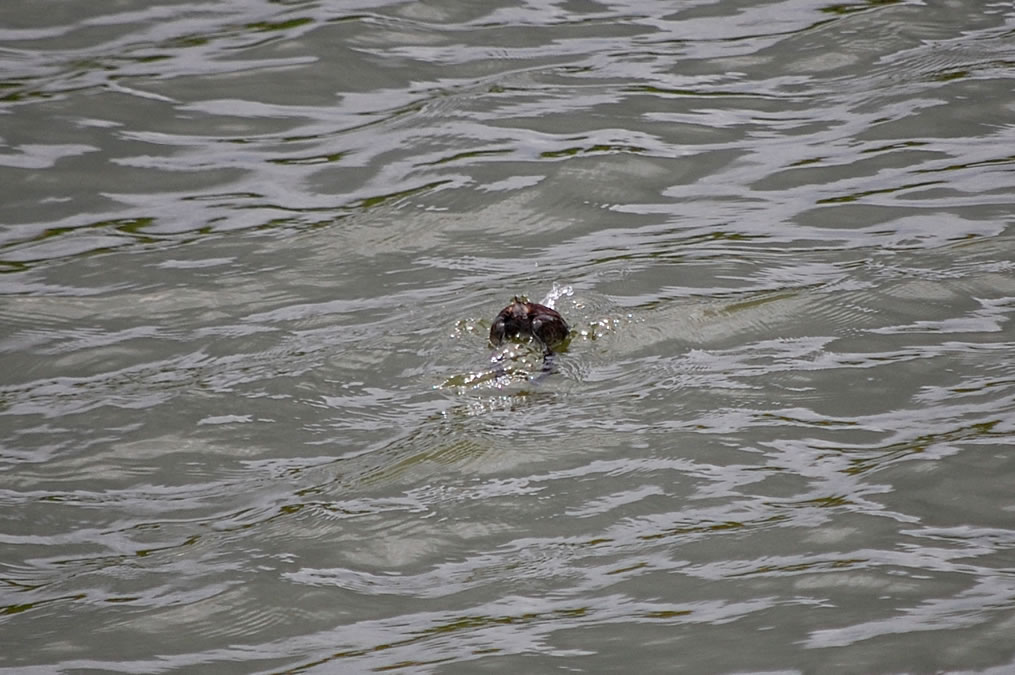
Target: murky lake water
[(250, 252)]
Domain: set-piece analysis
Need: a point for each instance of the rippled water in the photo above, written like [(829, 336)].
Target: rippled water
[(249, 256)]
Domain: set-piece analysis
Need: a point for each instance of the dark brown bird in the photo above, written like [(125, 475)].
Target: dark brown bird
[(529, 319)]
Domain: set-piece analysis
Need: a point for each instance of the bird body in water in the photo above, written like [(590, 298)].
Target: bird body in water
[(530, 319)]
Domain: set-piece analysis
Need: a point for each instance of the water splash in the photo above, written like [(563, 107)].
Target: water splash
[(555, 294)]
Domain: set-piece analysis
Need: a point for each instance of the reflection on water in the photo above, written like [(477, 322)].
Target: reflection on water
[(249, 256)]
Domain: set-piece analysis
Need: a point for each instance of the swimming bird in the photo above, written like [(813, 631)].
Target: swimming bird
[(530, 319)]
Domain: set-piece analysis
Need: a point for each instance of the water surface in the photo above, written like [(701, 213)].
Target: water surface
[(249, 256)]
